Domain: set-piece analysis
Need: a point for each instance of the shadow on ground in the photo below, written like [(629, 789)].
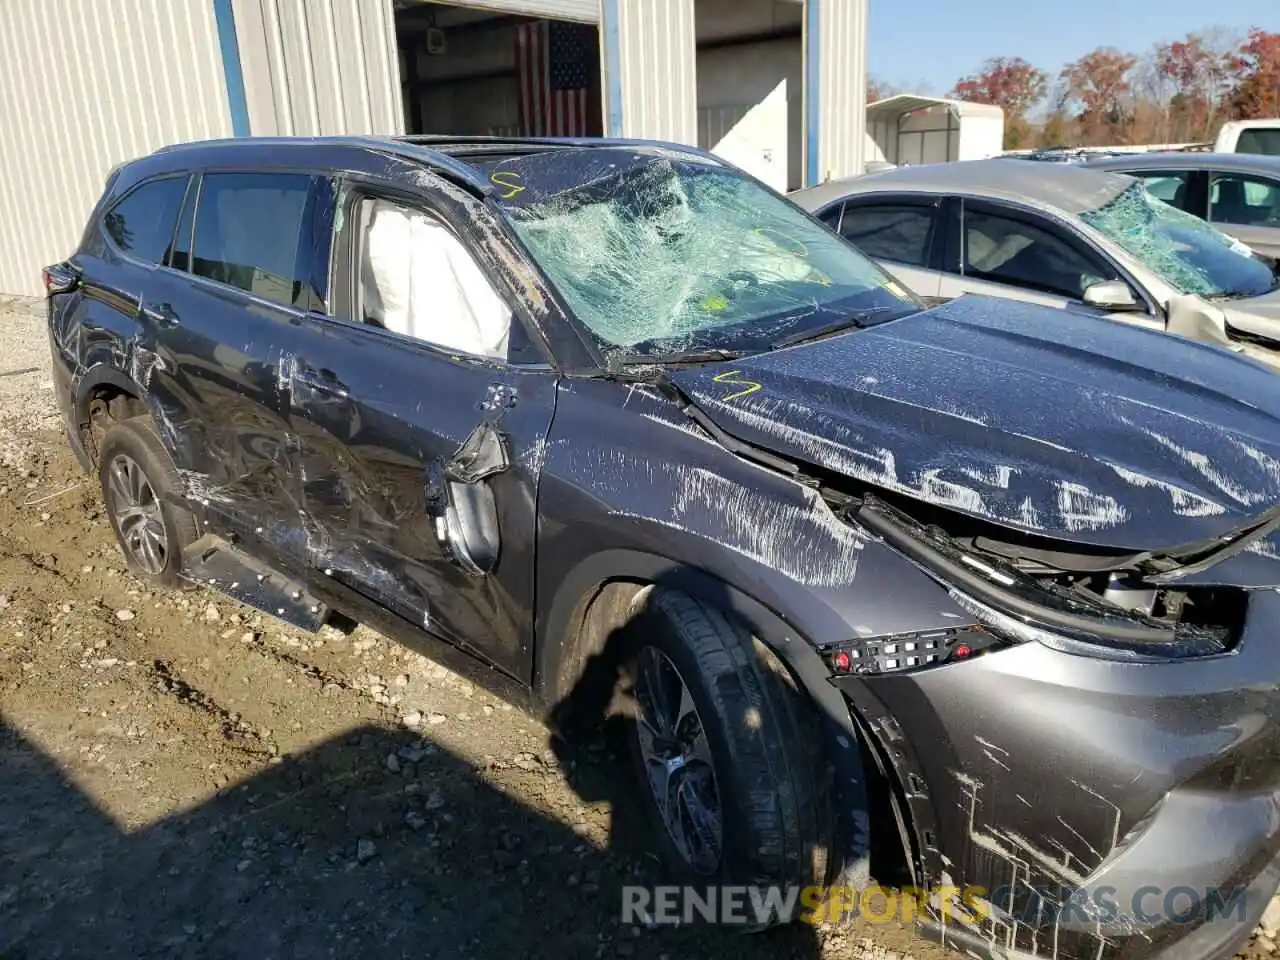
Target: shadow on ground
[(451, 867)]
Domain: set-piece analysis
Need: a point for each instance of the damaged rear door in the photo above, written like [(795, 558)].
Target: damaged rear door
[(418, 469), (222, 318)]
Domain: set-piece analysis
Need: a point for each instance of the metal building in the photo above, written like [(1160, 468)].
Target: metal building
[(775, 85)]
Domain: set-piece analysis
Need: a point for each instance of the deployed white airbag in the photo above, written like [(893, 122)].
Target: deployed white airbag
[(426, 285)]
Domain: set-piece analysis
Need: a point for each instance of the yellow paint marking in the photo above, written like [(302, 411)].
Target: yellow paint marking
[(730, 376), (505, 178)]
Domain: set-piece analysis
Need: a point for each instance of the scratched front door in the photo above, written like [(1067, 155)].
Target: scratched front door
[(374, 413)]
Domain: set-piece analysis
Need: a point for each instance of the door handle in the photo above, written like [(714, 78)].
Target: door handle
[(161, 314), (315, 381)]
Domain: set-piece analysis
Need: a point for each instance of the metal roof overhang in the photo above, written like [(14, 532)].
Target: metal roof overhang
[(905, 103)]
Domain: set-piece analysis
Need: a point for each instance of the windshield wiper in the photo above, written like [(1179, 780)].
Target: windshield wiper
[(708, 355), (857, 320), (1233, 294)]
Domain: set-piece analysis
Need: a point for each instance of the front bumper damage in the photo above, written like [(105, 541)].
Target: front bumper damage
[(1081, 807)]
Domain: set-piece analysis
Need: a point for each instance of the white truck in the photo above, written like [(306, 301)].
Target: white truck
[(1249, 136)]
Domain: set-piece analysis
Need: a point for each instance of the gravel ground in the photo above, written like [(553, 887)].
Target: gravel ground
[(181, 776)]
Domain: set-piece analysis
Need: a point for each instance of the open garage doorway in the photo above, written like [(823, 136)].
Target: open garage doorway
[(471, 72), (750, 86)]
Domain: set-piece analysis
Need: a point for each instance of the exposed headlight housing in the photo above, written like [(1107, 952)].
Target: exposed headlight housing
[(1019, 607)]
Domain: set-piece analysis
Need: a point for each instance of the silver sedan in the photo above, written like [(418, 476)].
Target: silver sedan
[(1239, 193), (1063, 235)]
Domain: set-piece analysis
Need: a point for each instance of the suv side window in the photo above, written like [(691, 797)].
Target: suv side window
[(1244, 200), (248, 235), (901, 233), (141, 224), (1005, 248)]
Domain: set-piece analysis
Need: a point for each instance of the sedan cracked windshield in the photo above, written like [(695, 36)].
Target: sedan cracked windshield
[(967, 602)]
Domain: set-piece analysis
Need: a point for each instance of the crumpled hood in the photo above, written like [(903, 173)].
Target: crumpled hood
[(1257, 315), (1037, 419)]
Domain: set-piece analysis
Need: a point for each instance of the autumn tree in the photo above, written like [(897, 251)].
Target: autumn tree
[(1201, 74), (1098, 85), (878, 89), (1011, 84), (1257, 90)]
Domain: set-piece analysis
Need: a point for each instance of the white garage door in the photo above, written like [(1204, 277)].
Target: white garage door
[(318, 69)]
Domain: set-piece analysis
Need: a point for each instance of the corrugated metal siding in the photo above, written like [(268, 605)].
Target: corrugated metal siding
[(316, 67), (842, 65), (585, 11), (88, 85), (656, 68)]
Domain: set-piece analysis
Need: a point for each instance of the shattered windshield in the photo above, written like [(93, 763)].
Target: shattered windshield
[(661, 253), (1183, 250)]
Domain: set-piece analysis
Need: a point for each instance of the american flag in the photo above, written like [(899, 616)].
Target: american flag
[(554, 60)]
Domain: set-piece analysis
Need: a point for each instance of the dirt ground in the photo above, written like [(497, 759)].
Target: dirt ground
[(181, 776)]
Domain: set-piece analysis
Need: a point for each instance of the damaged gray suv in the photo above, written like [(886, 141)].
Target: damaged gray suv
[(990, 585)]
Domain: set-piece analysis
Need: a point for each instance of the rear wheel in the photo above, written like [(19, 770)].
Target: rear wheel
[(728, 747), (137, 477)]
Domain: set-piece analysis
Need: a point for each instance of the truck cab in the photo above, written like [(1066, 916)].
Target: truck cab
[(1249, 136)]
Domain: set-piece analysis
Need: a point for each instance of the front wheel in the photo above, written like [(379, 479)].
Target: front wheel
[(137, 476), (728, 747)]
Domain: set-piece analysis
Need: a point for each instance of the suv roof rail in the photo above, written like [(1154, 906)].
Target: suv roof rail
[(438, 160), (444, 141)]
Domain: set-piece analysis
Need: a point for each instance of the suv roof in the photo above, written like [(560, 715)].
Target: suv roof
[(443, 153)]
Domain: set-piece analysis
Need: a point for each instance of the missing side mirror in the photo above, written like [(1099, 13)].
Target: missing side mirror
[(1111, 295)]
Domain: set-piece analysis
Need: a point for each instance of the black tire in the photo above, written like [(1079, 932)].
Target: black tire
[(138, 440), (774, 783)]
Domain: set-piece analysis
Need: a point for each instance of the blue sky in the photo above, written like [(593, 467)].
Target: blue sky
[(935, 42)]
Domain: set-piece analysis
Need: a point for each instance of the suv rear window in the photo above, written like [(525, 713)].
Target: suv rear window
[(141, 224), (248, 227)]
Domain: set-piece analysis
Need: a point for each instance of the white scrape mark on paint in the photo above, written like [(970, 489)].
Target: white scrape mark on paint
[(801, 537), (1185, 503), (997, 477), (1043, 442), (953, 411), (1266, 547), (780, 535), (1201, 463), (1270, 465), (990, 750), (950, 494), (1082, 509), (684, 426), (1028, 515)]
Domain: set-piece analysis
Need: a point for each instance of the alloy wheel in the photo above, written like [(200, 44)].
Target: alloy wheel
[(677, 761), (136, 511)]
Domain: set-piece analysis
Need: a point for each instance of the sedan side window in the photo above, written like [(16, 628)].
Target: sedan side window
[(831, 216), (1244, 200), (901, 233), (1010, 250), (417, 278)]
